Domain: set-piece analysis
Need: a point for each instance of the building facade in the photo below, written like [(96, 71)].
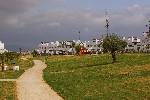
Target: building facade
[(68, 47), (134, 44), (2, 47), (94, 46)]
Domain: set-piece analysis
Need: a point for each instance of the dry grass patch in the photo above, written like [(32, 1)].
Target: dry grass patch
[(8, 91), (134, 69)]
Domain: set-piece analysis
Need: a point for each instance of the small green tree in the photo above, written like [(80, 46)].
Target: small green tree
[(112, 44), (7, 57), (73, 46), (77, 48), (34, 53)]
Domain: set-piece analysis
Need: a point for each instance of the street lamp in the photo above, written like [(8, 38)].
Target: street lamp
[(79, 34)]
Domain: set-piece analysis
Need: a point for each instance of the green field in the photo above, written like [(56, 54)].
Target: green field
[(10, 74), (8, 91), (96, 78)]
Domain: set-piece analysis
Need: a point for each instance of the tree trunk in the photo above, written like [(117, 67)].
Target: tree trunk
[(2, 60), (2, 66), (113, 57)]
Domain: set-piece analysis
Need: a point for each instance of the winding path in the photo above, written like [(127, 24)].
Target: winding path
[(31, 86)]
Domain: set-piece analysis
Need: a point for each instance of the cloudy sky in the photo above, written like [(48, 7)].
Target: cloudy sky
[(25, 23)]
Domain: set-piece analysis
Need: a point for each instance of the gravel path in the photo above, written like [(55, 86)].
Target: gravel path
[(30, 86)]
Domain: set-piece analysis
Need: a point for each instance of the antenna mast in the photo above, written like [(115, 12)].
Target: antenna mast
[(107, 23), (148, 32), (79, 34)]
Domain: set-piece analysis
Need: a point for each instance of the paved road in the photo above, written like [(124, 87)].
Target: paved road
[(30, 86)]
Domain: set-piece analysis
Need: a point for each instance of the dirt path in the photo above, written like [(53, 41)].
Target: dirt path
[(30, 86)]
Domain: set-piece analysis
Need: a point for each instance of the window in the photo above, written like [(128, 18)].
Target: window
[(135, 39), (130, 45), (135, 43)]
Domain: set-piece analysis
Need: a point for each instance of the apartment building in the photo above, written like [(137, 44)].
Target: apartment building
[(68, 47), (93, 45), (134, 44), (2, 47)]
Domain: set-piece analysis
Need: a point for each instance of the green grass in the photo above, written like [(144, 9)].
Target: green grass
[(96, 78), (8, 91), (10, 74)]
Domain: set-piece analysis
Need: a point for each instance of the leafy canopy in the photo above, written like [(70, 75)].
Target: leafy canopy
[(113, 43)]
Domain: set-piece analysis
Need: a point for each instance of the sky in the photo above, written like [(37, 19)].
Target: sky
[(25, 23)]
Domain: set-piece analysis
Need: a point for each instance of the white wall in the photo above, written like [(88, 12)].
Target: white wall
[(1, 45)]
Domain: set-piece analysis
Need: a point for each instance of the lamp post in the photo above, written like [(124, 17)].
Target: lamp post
[(79, 33)]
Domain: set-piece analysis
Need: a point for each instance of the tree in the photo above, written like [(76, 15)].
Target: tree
[(148, 46), (7, 57), (77, 48), (73, 47), (112, 44), (20, 50), (2, 56), (34, 53)]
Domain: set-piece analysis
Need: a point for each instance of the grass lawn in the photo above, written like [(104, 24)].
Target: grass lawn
[(96, 78), (10, 74), (8, 91)]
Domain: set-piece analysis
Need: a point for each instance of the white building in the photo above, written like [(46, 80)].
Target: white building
[(145, 45), (56, 47), (134, 44), (93, 46), (68, 47), (2, 47), (43, 47)]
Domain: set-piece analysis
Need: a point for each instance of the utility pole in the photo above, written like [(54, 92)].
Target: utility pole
[(20, 50), (107, 23), (79, 34), (148, 32)]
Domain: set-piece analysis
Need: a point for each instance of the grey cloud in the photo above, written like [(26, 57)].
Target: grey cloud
[(131, 21), (12, 10), (26, 30), (15, 6)]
